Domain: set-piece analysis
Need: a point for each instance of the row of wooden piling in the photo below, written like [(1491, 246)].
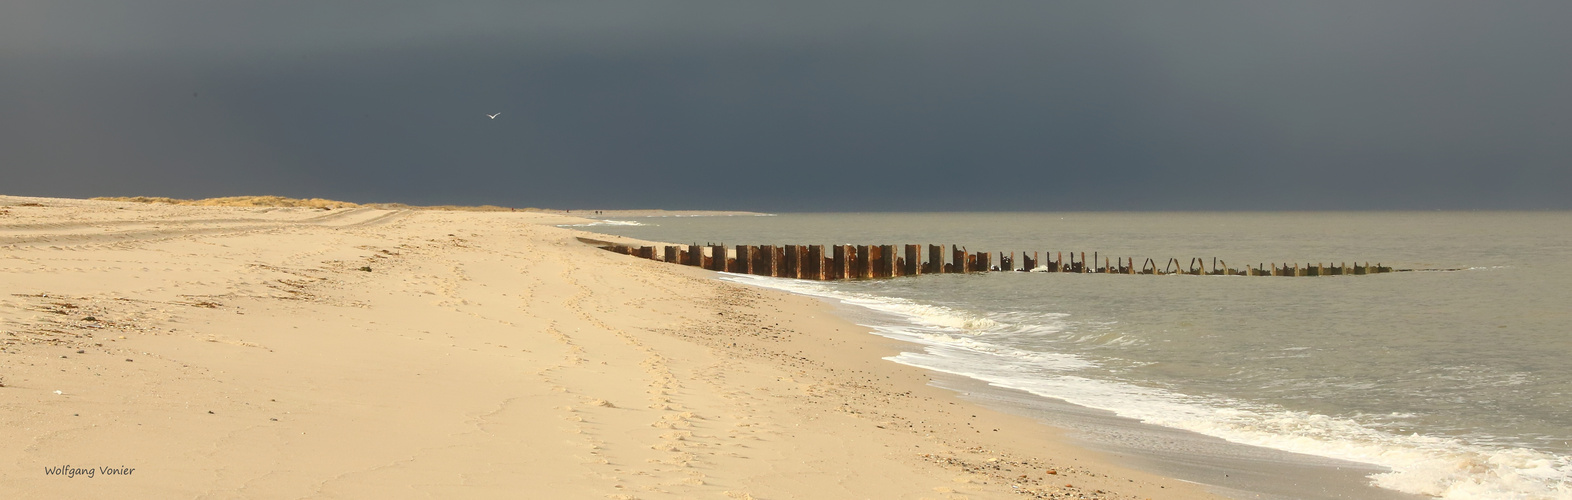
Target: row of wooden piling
[(837, 262)]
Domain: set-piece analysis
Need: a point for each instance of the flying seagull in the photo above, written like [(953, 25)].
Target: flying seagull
[(493, 116)]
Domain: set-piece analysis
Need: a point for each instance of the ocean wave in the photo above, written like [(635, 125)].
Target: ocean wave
[(607, 222), (957, 342)]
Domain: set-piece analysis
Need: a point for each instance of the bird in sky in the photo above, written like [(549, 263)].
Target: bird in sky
[(493, 116)]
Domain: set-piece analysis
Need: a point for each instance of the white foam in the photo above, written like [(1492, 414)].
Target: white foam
[(957, 342), (607, 222)]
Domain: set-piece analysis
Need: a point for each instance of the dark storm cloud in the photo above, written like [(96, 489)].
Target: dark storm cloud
[(796, 106)]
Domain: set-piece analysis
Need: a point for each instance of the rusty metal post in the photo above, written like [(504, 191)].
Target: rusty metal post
[(957, 259)]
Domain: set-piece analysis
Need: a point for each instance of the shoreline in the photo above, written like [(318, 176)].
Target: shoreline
[(1229, 469), (364, 352)]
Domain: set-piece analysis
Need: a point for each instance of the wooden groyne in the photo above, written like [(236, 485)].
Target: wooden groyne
[(838, 262)]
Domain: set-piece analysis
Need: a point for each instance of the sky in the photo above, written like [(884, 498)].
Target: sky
[(797, 106)]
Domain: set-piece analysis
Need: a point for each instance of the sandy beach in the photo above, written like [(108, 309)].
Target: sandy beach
[(259, 352)]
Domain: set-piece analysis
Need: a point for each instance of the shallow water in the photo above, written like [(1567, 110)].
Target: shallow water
[(1459, 382)]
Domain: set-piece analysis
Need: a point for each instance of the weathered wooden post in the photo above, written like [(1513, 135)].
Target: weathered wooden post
[(851, 262), (741, 262), (1028, 263), (913, 260), (788, 261), (756, 264), (695, 256), (860, 262), (984, 262), (782, 264), (887, 261), (935, 259), (799, 264), (957, 259), (840, 262), (872, 261), (765, 262), (815, 263), (887, 258), (791, 263), (671, 254)]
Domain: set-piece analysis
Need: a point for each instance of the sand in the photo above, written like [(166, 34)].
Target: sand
[(257, 352)]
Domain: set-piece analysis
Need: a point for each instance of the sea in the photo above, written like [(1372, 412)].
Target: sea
[(1453, 382)]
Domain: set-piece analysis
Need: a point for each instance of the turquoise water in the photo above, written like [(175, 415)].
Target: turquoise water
[(1459, 382)]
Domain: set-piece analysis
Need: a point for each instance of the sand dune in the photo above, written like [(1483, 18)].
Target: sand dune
[(289, 352)]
